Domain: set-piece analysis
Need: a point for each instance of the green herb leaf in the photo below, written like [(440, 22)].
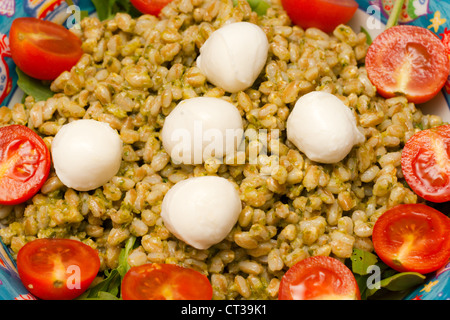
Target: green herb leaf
[(107, 9), (368, 36), (84, 14), (395, 14), (258, 6), (110, 285), (399, 282), (109, 288), (102, 295), (362, 260), (33, 87), (103, 9), (123, 257)]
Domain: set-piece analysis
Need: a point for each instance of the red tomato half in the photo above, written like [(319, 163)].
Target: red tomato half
[(323, 14), (57, 269), (153, 7), (43, 49), (412, 237), (156, 281), (426, 163), (24, 164), (319, 278), (408, 60)]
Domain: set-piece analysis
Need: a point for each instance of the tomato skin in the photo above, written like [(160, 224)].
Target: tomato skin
[(425, 163), (152, 7), (43, 49), (57, 269), (159, 281), (24, 164), (323, 14), (408, 60), (412, 237), (318, 278)]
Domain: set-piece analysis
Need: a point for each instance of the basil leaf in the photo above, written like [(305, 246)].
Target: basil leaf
[(102, 295), (110, 284), (123, 256), (368, 36), (84, 14), (399, 282), (33, 87), (258, 6), (395, 14), (106, 9), (103, 9)]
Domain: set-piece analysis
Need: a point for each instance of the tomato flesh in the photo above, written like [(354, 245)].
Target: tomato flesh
[(425, 163), (325, 15), (165, 282), (408, 60), (412, 237), (318, 278), (57, 269), (24, 164), (43, 49), (152, 7)]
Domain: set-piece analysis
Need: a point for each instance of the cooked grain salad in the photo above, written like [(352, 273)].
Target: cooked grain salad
[(135, 71)]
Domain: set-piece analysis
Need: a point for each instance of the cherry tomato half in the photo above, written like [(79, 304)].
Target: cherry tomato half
[(152, 7), (156, 281), (57, 269), (43, 49), (407, 60), (24, 164), (412, 237), (318, 278), (325, 15), (425, 163)]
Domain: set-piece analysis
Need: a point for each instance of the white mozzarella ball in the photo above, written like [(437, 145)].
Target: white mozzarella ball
[(86, 154), (234, 55), (323, 127), (201, 211), (201, 128)]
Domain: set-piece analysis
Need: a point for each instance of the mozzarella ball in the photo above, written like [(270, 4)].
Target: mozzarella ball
[(86, 154), (234, 56), (201, 128), (323, 127), (201, 211)]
